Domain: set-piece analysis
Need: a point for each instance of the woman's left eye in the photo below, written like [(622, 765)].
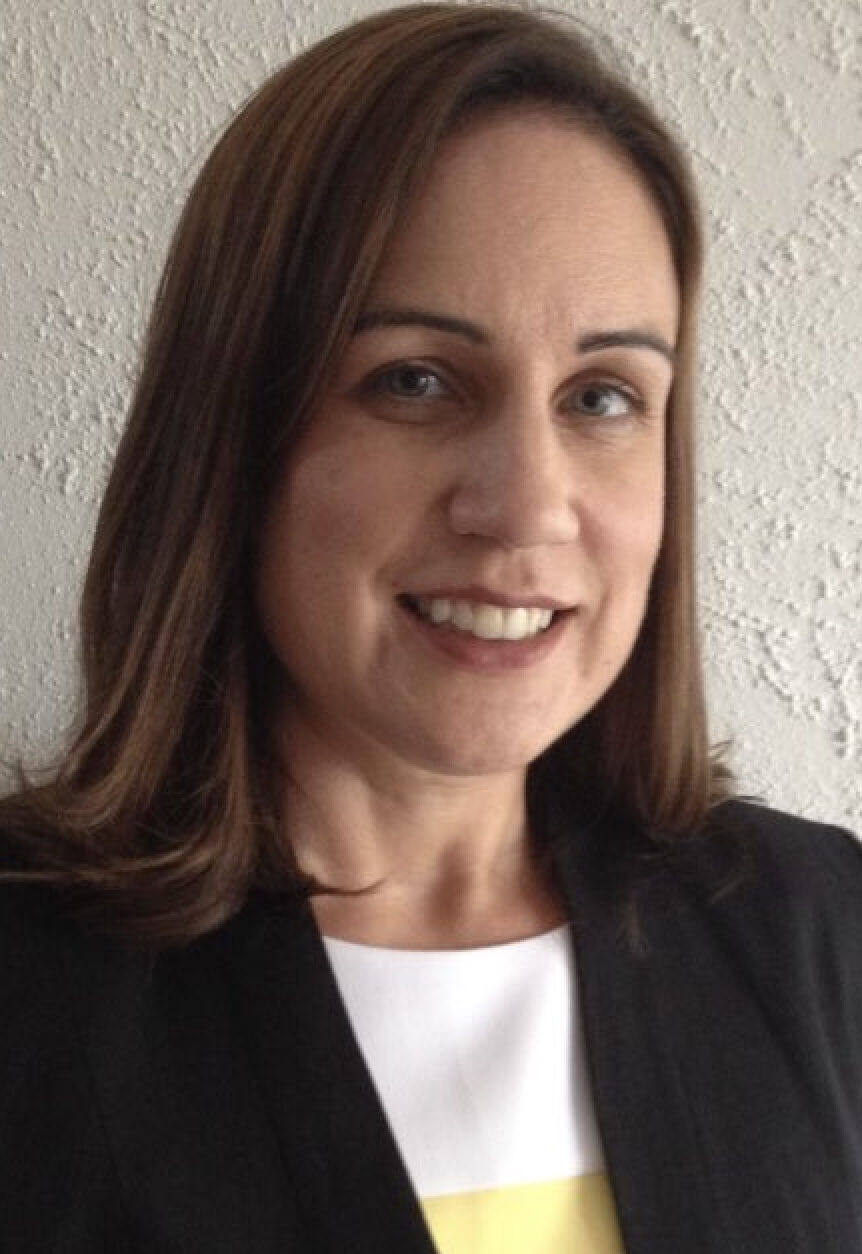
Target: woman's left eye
[(605, 400)]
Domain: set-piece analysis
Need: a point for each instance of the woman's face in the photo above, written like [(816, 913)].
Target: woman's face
[(456, 562)]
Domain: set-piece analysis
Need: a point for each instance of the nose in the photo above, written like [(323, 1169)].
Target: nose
[(516, 481)]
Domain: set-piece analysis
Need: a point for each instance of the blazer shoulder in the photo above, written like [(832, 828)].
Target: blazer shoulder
[(54, 974), (765, 880), (46, 959), (33, 931), (787, 857), (55, 1159), (792, 916)]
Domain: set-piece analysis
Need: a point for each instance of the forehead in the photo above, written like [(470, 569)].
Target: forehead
[(528, 214)]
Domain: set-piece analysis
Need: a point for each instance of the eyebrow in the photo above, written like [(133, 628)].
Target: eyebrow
[(375, 318), (591, 342)]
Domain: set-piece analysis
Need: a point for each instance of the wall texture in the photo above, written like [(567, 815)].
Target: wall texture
[(105, 111)]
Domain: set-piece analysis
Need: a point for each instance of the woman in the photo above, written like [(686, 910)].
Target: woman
[(394, 711)]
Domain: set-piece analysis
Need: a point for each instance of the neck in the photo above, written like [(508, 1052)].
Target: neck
[(418, 860)]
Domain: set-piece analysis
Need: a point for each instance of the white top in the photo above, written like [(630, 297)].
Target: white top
[(478, 1057)]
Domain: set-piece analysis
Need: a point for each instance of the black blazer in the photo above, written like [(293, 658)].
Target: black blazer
[(212, 1100)]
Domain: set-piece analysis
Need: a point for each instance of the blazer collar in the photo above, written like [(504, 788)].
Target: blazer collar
[(351, 1184), (639, 947)]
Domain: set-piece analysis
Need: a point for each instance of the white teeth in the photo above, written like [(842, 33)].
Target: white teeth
[(488, 622), (518, 624), (462, 615)]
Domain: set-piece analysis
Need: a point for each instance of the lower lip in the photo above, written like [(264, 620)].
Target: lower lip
[(489, 656)]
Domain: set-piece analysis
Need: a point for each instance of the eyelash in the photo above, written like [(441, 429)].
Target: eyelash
[(634, 402), (377, 382), (378, 385)]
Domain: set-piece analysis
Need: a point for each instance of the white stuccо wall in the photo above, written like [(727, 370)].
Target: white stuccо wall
[(106, 109)]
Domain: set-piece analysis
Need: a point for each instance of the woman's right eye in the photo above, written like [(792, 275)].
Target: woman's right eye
[(408, 382)]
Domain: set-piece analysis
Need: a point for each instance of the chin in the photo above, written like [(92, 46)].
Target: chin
[(496, 753)]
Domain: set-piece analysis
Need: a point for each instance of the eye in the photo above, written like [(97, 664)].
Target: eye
[(409, 382), (605, 400)]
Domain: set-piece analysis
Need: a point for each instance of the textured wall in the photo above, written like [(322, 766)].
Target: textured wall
[(105, 110)]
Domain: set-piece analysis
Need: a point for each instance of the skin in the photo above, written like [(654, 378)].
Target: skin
[(515, 460)]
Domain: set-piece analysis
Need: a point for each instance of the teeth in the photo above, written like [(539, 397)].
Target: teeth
[(518, 624), (462, 615), (488, 622)]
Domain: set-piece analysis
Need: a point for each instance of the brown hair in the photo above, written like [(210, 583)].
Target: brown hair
[(166, 808)]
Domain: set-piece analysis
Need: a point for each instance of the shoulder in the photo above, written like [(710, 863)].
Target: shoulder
[(54, 1156), (33, 936), (52, 975), (97, 1039), (770, 897), (786, 925), (37, 926), (70, 981), (61, 986), (743, 856), (773, 878), (75, 993), (786, 834), (793, 865)]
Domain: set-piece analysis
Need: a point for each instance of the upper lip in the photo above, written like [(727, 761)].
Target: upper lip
[(491, 596)]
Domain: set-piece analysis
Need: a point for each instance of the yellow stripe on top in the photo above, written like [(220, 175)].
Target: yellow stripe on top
[(576, 1216)]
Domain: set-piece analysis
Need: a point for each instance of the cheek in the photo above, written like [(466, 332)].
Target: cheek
[(645, 529), (327, 530), (626, 524)]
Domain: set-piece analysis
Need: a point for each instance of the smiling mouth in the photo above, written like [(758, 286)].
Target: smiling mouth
[(480, 619)]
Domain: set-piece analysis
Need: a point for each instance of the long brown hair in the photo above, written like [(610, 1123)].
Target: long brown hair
[(165, 810)]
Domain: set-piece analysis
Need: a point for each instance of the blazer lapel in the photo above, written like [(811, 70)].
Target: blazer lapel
[(636, 1013), (639, 1096), (712, 1139), (351, 1186)]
